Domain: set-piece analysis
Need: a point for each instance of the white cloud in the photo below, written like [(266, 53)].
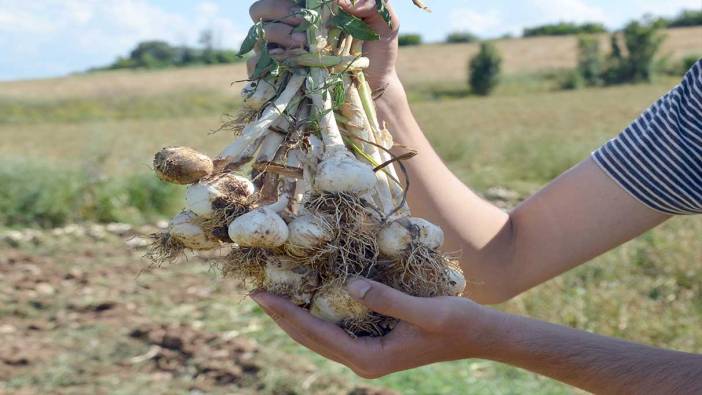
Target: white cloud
[(481, 23), (494, 21), (94, 32), (226, 34), (568, 10), (668, 7), (26, 18), (208, 9)]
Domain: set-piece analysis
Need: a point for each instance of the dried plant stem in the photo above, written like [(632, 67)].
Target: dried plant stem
[(381, 137), (259, 127), (358, 125)]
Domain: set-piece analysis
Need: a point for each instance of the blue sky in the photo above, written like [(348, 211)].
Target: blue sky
[(48, 38)]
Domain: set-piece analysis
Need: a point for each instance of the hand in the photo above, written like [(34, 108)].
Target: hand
[(382, 53), (431, 330)]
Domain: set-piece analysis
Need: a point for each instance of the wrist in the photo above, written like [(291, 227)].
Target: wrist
[(391, 98), (491, 334), (380, 81)]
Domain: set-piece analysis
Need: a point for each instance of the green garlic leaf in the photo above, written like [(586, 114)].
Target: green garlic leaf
[(266, 65), (383, 11), (354, 26), (255, 34)]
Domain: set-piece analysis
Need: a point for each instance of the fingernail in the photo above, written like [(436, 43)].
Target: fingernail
[(276, 51), (358, 288), (299, 38)]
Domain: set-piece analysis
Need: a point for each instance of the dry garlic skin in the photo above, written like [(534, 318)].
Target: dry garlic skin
[(284, 277), (257, 94), (344, 174), (182, 165), (307, 233), (401, 236), (184, 228), (456, 281), (202, 198), (261, 228), (334, 304)]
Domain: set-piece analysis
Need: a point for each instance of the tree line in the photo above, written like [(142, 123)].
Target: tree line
[(685, 18), (632, 57), (158, 54)]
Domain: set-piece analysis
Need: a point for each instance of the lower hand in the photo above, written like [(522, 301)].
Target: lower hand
[(431, 330)]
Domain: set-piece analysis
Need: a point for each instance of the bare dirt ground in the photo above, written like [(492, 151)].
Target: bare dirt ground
[(81, 319)]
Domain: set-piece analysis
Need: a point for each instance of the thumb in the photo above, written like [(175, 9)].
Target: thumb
[(388, 301)]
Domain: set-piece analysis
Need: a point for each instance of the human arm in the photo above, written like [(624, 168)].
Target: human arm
[(649, 172), (580, 215), (446, 329)]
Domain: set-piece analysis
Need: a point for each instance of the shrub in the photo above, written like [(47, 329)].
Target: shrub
[(225, 57), (688, 61), (36, 194), (153, 54), (687, 18), (633, 52), (122, 63), (590, 62), (160, 54), (409, 39), (564, 28), (484, 69), (572, 80), (461, 37)]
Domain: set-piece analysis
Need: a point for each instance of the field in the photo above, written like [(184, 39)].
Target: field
[(77, 316)]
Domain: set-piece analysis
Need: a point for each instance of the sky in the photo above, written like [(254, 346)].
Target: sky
[(48, 38)]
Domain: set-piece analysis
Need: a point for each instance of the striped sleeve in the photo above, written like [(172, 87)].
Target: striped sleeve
[(658, 158)]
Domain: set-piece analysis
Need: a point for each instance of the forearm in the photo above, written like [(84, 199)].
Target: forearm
[(578, 216), (595, 363), (476, 229)]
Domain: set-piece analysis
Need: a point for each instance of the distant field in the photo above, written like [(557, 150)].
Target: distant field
[(110, 124), (492, 133), (428, 63), (447, 62)]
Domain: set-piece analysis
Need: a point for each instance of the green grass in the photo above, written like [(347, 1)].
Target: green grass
[(510, 85), (44, 195), (75, 110), (523, 140)]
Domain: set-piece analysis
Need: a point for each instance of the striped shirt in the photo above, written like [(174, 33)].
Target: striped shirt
[(658, 158)]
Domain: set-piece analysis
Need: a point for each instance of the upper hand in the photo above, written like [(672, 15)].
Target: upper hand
[(431, 330), (281, 19)]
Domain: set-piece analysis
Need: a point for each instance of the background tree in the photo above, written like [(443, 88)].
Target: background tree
[(633, 52), (590, 61), (206, 41), (687, 18), (564, 28), (153, 54), (485, 69), (409, 39), (689, 61), (461, 37), (160, 54)]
